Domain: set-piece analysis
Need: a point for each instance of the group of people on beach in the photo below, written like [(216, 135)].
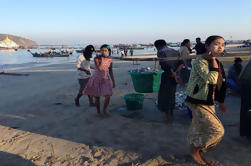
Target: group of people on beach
[(124, 52), (206, 85), (98, 84)]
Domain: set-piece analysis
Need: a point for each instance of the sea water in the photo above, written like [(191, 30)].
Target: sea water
[(20, 59)]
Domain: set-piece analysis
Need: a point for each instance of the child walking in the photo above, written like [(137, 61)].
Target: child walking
[(99, 84), (84, 73)]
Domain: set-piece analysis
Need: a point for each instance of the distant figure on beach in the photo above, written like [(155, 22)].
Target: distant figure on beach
[(84, 67), (169, 79), (99, 84), (199, 47), (122, 52), (245, 114), (184, 54), (126, 51), (131, 51), (233, 75), (206, 85)]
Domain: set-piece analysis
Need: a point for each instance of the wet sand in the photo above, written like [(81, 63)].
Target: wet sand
[(40, 125)]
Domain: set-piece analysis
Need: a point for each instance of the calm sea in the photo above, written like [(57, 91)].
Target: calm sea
[(11, 59)]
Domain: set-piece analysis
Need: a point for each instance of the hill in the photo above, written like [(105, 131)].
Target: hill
[(22, 42)]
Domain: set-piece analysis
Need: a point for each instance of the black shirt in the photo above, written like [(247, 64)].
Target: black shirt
[(200, 48)]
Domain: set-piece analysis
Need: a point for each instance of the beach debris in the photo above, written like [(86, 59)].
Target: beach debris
[(58, 103), (14, 127), (35, 158)]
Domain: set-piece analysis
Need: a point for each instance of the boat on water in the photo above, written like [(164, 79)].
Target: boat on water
[(245, 46), (174, 45), (138, 48), (135, 48), (79, 51), (51, 54)]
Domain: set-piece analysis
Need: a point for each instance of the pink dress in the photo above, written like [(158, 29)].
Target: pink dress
[(99, 84)]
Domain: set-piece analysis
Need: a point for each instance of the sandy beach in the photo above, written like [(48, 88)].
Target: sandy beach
[(40, 125)]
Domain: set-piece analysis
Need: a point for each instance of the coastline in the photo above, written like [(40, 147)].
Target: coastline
[(42, 125)]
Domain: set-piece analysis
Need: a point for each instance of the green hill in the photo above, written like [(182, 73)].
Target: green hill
[(22, 42)]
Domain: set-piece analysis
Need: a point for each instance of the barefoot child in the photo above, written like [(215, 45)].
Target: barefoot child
[(84, 72), (99, 84), (206, 85)]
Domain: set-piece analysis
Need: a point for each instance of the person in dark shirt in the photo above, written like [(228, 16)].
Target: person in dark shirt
[(199, 47), (245, 113), (131, 51), (169, 79), (233, 75)]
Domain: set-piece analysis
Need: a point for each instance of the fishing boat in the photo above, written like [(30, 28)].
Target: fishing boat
[(79, 51), (52, 54), (245, 46), (138, 48)]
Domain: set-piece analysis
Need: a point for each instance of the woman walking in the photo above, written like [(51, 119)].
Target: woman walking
[(207, 84)]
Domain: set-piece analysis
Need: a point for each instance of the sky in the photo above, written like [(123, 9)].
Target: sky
[(124, 21)]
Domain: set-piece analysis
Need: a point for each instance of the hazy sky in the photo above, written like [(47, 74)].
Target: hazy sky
[(124, 21)]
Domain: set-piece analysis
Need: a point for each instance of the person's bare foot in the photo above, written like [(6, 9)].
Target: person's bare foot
[(77, 102), (106, 113), (168, 117), (196, 154), (249, 140), (209, 162)]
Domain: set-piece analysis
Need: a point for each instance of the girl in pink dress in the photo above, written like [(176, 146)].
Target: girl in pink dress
[(99, 84)]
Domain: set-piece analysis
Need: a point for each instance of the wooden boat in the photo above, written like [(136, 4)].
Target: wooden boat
[(245, 46), (79, 51), (135, 48), (52, 54), (138, 48)]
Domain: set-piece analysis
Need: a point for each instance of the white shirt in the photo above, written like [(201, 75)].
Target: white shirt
[(83, 64), (184, 52)]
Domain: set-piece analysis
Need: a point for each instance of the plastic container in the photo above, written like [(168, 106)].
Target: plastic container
[(134, 101), (146, 82)]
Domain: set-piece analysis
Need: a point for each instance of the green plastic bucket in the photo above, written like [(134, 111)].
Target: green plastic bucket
[(134, 101), (146, 82)]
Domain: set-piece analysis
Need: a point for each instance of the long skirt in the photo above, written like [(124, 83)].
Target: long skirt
[(166, 97), (206, 130)]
